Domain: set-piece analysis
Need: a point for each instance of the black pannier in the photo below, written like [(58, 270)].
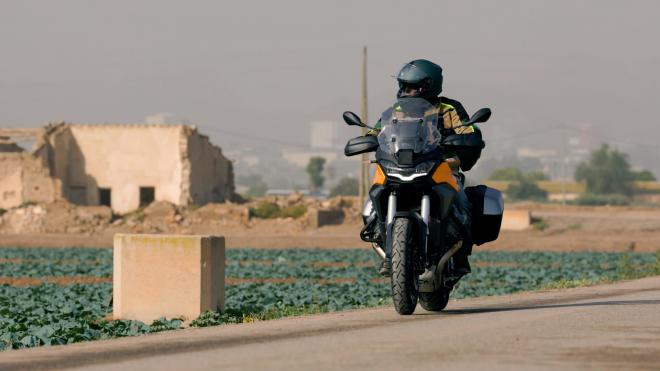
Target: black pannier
[(487, 209)]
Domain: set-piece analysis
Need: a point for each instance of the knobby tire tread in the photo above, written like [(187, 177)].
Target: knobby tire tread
[(404, 292)]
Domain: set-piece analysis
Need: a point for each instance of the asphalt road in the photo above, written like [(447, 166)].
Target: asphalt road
[(602, 327)]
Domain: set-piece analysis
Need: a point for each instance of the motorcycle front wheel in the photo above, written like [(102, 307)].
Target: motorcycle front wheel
[(405, 283)]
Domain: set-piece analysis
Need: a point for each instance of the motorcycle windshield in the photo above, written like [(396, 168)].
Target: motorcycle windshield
[(409, 124)]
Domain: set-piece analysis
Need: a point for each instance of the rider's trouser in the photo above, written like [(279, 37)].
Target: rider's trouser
[(463, 212)]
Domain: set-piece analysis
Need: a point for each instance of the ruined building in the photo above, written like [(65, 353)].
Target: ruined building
[(122, 166)]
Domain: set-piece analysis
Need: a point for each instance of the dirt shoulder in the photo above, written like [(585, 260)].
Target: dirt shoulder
[(556, 228)]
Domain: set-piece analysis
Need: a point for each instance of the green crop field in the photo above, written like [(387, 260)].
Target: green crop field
[(60, 296)]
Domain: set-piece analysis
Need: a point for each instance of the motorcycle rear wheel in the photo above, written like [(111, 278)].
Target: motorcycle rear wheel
[(434, 301), (405, 283)]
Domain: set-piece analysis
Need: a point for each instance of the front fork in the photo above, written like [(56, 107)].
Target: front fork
[(422, 220), (431, 279)]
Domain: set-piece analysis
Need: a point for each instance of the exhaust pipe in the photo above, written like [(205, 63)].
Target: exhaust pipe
[(378, 251), (431, 279), (445, 258)]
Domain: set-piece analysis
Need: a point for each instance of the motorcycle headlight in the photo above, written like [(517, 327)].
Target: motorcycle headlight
[(424, 167), (407, 174)]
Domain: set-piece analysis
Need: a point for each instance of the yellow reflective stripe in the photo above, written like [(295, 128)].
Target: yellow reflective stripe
[(447, 107)]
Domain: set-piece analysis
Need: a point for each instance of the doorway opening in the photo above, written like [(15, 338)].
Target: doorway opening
[(105, 197), (147, 195)]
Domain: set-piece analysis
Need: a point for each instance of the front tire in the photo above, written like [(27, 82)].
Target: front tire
[(405, 283), (434, 301)]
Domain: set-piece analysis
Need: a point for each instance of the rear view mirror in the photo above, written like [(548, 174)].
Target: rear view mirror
[(480, 116), (352, 119)]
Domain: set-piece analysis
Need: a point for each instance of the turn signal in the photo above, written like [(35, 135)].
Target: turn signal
[(443, 174), (379, 177)]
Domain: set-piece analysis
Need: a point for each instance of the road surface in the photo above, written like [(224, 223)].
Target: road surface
[(613, 326)]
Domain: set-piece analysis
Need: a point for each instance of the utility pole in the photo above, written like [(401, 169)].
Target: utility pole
[(563, 165), (364, 160)]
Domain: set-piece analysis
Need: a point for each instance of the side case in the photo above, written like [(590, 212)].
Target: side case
[(487, 210)]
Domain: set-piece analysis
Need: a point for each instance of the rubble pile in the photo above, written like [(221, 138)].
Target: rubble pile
[(164, 217), (23, 220), (57, 217)]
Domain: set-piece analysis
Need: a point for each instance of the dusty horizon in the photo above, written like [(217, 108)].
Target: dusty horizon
[(248, 72)]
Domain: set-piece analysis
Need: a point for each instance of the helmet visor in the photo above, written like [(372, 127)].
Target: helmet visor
[(411, 74), (410, 90)]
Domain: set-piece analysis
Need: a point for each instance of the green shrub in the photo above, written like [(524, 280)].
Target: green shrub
[(643, 176), (523, 186), (265, 210), (606, 172), (539, 224), (526, 189), (624, 266), (591, 199), (2, 211), (295, 211)]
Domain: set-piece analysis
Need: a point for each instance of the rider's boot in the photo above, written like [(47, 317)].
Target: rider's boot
[(461, 264), (385, 268)]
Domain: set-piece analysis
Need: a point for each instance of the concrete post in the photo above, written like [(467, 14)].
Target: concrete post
[(167, 275), (516, 220)]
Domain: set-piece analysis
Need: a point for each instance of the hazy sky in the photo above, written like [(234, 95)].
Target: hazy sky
[(268, 68)]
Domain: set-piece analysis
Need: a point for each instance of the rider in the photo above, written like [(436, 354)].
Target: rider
[(423, 79)]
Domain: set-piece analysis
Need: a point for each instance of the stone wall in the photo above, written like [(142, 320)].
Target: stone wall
[(11, 188), (24, 178), (211, 177), (38, 185)]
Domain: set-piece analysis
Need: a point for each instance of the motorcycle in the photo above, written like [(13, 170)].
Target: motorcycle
[(410, 217)]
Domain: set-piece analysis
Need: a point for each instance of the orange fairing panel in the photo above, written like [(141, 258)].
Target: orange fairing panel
[(379, 177), (443, 174)]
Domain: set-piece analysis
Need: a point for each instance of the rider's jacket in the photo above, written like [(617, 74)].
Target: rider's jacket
[(466, 141)]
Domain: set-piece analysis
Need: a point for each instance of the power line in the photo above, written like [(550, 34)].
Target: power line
[(257, 138)]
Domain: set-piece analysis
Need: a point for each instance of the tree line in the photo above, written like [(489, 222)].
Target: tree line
[(607, 176)]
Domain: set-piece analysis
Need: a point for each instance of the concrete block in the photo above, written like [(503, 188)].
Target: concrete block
[(516, 220), (167, 275), (318, 218)]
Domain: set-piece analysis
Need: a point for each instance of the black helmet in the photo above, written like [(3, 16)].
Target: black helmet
[(421, 78)]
